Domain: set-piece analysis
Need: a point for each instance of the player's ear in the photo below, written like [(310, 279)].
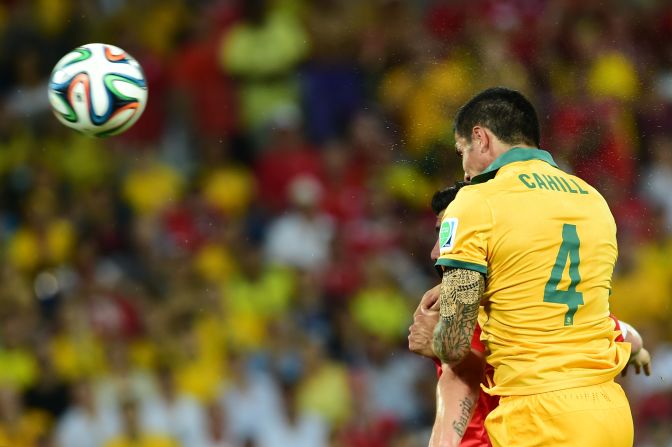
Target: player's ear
[(480, 138)]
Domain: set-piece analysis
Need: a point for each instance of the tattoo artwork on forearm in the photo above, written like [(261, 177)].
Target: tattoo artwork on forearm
[(460, 298), (460, 425)]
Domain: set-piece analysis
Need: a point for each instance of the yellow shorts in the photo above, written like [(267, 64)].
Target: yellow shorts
[(591, 416)]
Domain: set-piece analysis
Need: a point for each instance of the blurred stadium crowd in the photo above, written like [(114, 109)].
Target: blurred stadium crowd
[(240, 268)]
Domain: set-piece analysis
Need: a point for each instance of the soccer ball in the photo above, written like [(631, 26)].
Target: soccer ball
[(98, 90)]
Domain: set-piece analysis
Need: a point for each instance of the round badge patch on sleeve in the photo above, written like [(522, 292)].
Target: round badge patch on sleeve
[(447, 234)]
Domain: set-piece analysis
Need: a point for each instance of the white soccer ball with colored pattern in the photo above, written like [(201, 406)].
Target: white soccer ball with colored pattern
[(98, 90)]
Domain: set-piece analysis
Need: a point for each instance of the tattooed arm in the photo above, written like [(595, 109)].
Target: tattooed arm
[(459, 300), (456, 397)]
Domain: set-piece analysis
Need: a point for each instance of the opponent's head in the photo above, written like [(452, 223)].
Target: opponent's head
[(440, 201), (491, 123)]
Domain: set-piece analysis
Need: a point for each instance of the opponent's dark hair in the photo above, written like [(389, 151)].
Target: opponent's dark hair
[(441, 199), (507, 113)]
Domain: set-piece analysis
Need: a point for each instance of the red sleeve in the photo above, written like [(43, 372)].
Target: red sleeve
[(617, 327), (437, 363)]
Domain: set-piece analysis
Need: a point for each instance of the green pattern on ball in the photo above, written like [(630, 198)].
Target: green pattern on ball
[(84, 54), (71, 116), (110, 79)]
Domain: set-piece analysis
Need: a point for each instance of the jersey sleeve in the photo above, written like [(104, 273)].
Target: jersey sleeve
[(439, 370), (465, 230)]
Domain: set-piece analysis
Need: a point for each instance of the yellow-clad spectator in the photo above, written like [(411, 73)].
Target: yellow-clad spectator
[(382, 311), (497, 65), (613, 75), (197, 365), (83, 162), (378, 307), (262, 51), (15, 289), (20, 427), (211, 338), (229, 190), (202, 330), (326, 388), (77, 356), (17, 367), (407, 183), (151, 186), (143, 353), (29, 247), (43, 237), (16, 151), (249, 300), (23, 250), (199, 378), (168, 18), (53, 16), (214, 263), (246, 330), (424, 94), (76, 351), (268, 294), (18, 364)]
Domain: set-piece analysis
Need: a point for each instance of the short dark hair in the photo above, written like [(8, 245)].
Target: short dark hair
[(507, 113), (441, 199)]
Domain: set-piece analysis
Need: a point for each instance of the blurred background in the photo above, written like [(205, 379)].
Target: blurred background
[(240, 268)]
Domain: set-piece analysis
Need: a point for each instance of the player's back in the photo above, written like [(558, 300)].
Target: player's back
[(550, 249)]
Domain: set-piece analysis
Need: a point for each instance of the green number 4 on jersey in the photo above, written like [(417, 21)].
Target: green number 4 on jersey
[(568, 249)]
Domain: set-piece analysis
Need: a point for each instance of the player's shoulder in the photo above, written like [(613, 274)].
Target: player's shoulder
[(471, 192), (470, 198), (471, 205)]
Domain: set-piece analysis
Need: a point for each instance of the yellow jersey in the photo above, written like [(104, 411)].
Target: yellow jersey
[(546, 242)]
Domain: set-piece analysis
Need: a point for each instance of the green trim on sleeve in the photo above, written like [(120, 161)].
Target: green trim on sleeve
[(511, 156), (454, 263)]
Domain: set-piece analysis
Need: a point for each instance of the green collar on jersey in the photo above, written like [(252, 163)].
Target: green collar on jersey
[(511, 156)]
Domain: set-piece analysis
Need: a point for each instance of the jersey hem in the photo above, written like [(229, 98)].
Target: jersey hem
[(454, 263), (558, 386)]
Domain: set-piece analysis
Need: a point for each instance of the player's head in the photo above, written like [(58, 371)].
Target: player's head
[(489, 124), (440, 201)]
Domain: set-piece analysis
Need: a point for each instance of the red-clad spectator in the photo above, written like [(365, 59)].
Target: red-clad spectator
[(445, 19), (287, 157), (205, 91), (611, 152), (345, 195), (343, 275), (181, 227)]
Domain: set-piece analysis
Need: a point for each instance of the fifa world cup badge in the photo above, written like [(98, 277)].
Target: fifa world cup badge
[(447, 234)]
